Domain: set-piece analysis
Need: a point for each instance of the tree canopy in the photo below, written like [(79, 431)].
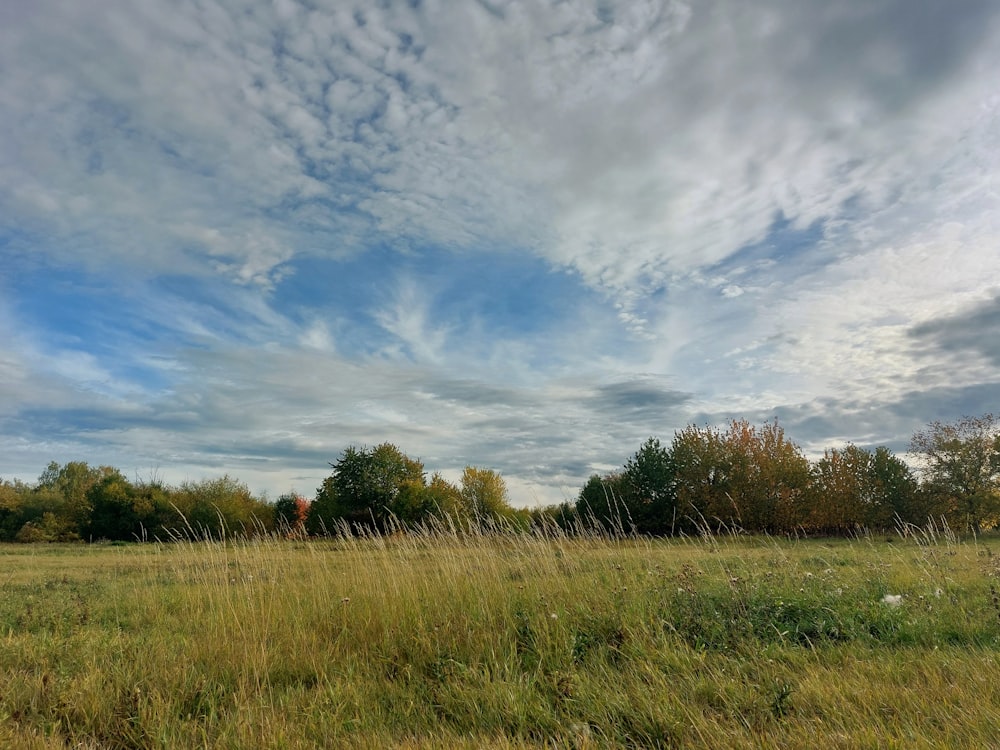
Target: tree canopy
[(739, 477), (962, 467)]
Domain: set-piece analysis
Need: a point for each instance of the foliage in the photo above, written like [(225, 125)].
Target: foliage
[(556, 519), (740, 477), (856, 488), (702, 474), (222, 506), (650, 494), (962, 468), (42, 515), (72, 482), (768, 480), (484, 493), (364, 487), (123, 511), (290, 513), (12, 495), (444, 501), (606, 501)]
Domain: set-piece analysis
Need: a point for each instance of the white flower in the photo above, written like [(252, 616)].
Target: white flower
[(893, 600)]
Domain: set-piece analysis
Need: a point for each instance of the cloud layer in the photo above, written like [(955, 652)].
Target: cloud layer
[(240, 235)]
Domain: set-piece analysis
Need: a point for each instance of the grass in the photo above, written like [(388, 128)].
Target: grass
[(501, 641)]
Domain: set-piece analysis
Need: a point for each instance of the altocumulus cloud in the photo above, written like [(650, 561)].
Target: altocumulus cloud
[(240, 235)]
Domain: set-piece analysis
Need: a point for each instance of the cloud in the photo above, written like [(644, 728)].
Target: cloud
[(642, 396), (504, 233), (972, 332)]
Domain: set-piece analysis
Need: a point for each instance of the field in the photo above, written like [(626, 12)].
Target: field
[(502, 641)]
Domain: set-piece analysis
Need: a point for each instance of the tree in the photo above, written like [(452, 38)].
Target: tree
[(485, 494), (445, 500), (290, 513), (439, 499), (113, 512), (962, 467), (702, 470), (72, 482), (11, 502), (745, 477), (607, 501), (555, 519), (651, 496), (155, 508), (895, 490), (44, 504), (363, 488), (218, 507), (854, 487)]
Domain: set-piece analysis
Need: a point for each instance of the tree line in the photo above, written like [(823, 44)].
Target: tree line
[(752, 478), (379, 488), (741, 477)]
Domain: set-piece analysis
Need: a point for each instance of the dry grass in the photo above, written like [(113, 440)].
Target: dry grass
[(501, 641)]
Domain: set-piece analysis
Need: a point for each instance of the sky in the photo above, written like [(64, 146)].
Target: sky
[(239, 236)]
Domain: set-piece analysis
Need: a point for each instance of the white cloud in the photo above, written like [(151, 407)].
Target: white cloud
[(767, 198)]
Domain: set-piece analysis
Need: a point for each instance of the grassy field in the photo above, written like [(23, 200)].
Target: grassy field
[(502, 641)]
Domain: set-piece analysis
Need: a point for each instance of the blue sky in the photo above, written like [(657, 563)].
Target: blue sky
[(239, 236)]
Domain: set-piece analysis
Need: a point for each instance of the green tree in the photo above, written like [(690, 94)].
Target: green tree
[(155, 507), (290, 513), (895, 490), (417, 502), (72, 482), (555, 519), (962, 468), (651, 491), (445, 500), (42, 516), (49, 527), (222, 506), (12, 501), (364, 488), (113, 513), (606, 501), (122, 510)]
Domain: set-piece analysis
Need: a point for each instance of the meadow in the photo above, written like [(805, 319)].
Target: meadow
[(502, 640)]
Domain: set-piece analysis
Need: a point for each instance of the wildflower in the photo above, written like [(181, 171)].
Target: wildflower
[(937, 593), (554, 616), (345, 600), (893, 600)]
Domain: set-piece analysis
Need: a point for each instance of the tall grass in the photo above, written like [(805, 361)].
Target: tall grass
[(442, 638)]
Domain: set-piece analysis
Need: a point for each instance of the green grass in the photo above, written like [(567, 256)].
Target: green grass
[(501, 641)]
